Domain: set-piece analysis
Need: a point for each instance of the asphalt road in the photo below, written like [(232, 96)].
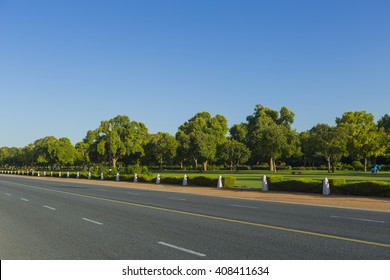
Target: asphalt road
[(63, 220)]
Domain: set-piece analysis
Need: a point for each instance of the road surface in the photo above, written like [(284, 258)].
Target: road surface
[(43, 219)]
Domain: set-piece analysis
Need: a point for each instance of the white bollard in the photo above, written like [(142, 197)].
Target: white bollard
[(135, 178), (117, 177), (325, 187), (89, 175), (51, 173), (39, 174), (67, 175), (102, 176), (219, 184), (44, 173), (32, 174), (185, 180), (59, 174), (264, 184), (78, 175), (158, 179)]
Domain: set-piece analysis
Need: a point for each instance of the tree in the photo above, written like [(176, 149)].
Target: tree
[(384, 123), (201, 135), (235, 153), (163, 147), (119, 137), (270, 135), (329, 142), (62, 151), (364, 140)]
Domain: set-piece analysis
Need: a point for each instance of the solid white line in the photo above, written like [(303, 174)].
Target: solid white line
[(243, 206), (48, 207), (182, 249), (24, 199), (358, 219), (92, 221)]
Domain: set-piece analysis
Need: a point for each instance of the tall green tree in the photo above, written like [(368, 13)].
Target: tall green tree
[(62, 151), (119, 137), (163, 147), (364, 139), (235, 153), (330, 142), (201, 136), (270, 135)]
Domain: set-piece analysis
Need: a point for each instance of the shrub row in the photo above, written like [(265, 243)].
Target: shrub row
[(204, 181), (337, 186)]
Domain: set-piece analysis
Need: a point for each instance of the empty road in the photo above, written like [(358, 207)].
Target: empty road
[(43, 219)]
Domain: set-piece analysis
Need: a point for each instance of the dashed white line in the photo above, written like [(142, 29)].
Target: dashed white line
[(133, 193), (8, 194), (243, 206), (358, 219), (182, 249), (24, 199), (48, 207), (176, 198), (92, 221)]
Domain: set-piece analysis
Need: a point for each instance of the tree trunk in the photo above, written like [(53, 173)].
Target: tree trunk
[(114, 160), (365, 164), (272, 165), (329, 166), (196, 164), (205, 165)]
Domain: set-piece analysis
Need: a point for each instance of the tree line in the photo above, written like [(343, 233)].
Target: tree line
[(265, 138)]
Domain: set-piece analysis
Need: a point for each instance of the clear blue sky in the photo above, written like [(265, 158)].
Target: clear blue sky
[(65, 65)]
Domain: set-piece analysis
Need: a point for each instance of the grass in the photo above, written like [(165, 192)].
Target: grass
[(252, 178)]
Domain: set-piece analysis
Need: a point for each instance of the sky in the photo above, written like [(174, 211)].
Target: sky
[(66, 65)]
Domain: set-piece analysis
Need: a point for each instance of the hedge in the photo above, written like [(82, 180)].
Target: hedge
[(296, 185), (228, 182)]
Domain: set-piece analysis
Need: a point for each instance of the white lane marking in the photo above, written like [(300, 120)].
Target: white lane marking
[(358, 219), (243, 206), (8, 194), (48, 207), (92, 221), (182, 249), (133, 193), (24, 199), (176, 198)]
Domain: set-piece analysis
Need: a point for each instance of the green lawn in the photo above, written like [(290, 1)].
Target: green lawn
[(252, 178)]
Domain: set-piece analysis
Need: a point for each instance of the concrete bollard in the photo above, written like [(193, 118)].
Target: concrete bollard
[(78, 175), (158, 179), (51, 173), (39, 174), (264, 184), (135, 178), (89, 175), (59, 174), (44, 173), (185, 180), (325, 187), (67, 175), (102, 176), (117, 177), (219, 184)]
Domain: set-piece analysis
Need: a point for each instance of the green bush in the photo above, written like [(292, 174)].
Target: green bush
[(297, 185), (172, 180), (357, 165), (374, 188), (228, 182), (202, 181), (274, 179)]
